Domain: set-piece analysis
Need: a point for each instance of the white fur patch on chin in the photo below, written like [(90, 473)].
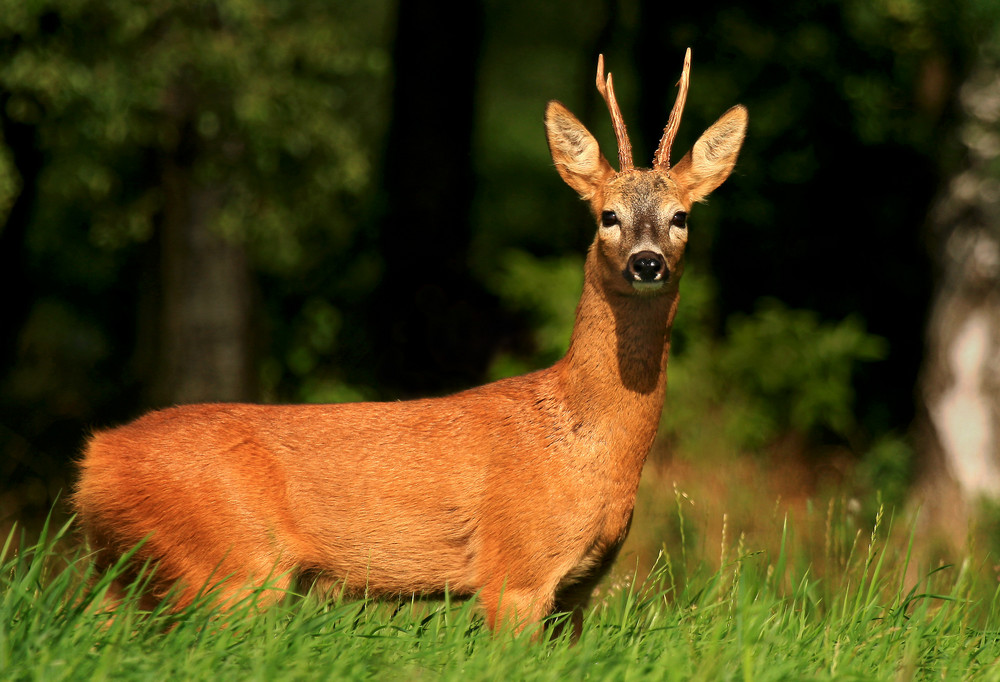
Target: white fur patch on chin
[(648, 287)]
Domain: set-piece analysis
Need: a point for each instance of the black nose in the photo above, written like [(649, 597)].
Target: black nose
[(646, 266)]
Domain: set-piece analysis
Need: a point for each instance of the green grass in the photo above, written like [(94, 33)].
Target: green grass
[(761, 616)]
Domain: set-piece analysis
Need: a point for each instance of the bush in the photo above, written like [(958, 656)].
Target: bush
[(775, 372)]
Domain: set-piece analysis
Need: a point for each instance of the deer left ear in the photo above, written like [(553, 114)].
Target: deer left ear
[(713, 156), (575, 151)]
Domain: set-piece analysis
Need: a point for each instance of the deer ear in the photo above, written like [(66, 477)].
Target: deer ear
[(575, 151), (713, 156)]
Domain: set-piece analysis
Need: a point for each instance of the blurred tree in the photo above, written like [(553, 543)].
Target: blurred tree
[(19, 194), (960, 382), (160, 159)]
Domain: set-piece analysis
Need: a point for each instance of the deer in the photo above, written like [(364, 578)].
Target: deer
[(519, 492)]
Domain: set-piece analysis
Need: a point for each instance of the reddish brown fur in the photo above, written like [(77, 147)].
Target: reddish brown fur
[(521, 490)]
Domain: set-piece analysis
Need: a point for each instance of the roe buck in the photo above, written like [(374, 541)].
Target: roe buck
[(521, 490)]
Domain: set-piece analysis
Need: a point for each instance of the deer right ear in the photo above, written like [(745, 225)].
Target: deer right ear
[(713, 156), (575, 151)]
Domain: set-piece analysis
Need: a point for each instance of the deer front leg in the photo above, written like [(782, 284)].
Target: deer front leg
[(574, 598), (508, 605)]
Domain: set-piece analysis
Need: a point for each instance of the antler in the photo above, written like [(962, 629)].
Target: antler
[(661, 161), (607, 90)]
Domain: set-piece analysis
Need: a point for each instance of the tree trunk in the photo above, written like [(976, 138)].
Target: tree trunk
[(205, 315), (202, 305), (960, 382), (433, 325), (21, 140)]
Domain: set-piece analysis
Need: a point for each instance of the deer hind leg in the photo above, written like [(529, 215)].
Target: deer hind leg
[(260, 591), (223, 582), (324, 585), (127, 581), (119, 589), (183, 580)]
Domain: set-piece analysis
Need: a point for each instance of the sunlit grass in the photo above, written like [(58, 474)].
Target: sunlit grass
[(855, 606)]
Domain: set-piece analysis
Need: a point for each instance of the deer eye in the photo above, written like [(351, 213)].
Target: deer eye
[(679, 219), (609, 219)]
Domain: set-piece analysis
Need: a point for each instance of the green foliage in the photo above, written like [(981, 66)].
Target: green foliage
[(270, 110), (314, 335), (776, 371), (272, 102), (887, 470), (545, 291), (795, 369), (10, 183)]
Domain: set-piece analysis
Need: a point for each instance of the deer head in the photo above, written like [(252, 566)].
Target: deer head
[(642, 214)]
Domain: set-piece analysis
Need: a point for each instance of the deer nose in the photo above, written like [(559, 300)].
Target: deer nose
[(646, 266)]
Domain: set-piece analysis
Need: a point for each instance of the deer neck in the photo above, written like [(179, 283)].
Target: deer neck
[(613, 376)]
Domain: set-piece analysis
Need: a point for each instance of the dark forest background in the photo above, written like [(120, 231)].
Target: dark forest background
[(310, 201)]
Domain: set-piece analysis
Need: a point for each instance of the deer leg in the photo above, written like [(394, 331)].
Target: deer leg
[(515, 607), (263, 592), (574, 598)]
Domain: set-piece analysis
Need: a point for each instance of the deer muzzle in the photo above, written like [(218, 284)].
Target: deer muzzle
[(646, 270)]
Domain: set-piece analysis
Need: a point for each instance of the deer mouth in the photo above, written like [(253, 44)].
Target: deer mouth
[(648, 287)]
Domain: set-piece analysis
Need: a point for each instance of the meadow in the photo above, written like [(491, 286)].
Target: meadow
[(804, 592)]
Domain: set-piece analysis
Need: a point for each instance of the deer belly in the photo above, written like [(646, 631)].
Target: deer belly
[(382, 545)]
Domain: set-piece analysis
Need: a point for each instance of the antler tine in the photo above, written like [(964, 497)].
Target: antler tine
[(661, 160), (607, 90)]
